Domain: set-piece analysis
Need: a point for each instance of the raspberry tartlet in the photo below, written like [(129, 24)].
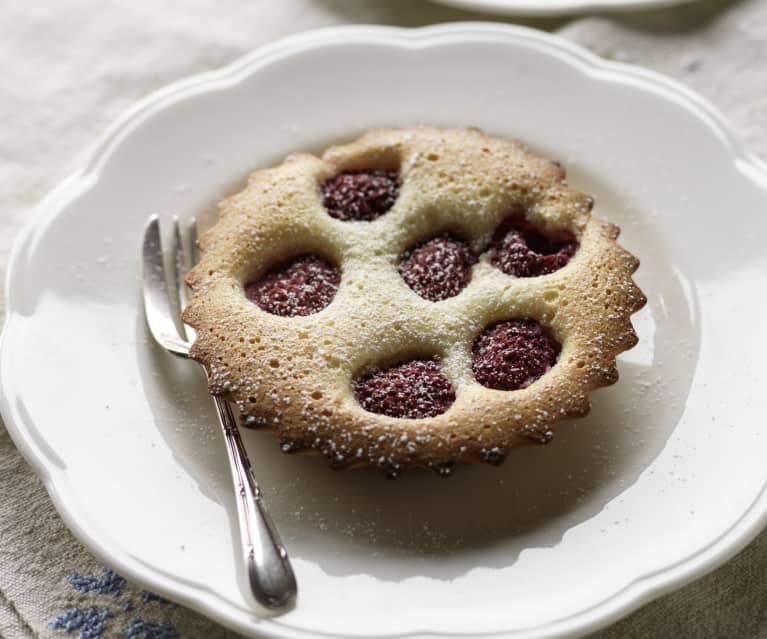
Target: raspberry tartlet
[(417, 298)]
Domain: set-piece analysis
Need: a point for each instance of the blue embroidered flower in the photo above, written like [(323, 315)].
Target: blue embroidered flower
[(92, 623), (109, 584), (141, 629)]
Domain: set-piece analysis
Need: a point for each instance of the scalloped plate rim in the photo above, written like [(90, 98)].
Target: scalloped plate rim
[(52, 471)]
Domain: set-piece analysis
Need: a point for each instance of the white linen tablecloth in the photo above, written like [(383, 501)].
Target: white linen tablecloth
[(69, 67)]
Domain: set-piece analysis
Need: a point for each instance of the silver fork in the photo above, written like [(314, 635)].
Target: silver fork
[(269, 573)]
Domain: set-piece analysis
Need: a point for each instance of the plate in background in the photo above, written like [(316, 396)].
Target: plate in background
[(558, 7)]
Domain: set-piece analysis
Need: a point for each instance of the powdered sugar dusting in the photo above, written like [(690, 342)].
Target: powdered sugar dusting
[(307, 376), (439, 268), (360, 195), (521, 250), (412, 390), (304, 286), (513, 354)]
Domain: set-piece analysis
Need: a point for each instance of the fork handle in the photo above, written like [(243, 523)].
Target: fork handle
[(269, 572)]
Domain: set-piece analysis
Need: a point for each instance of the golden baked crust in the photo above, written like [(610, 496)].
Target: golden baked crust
[(295, 374)]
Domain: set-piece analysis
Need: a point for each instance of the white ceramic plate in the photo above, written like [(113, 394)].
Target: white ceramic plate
[(661, 483), (557, 7)]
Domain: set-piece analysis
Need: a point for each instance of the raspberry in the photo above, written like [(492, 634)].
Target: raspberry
[(513, 354), (360, 195), (411, 390), (438, 269), (303, 286), (521, 250)]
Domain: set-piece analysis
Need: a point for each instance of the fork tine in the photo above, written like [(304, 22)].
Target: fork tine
[(193, 231), (157, 301), (179, 263), (185, 260)]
